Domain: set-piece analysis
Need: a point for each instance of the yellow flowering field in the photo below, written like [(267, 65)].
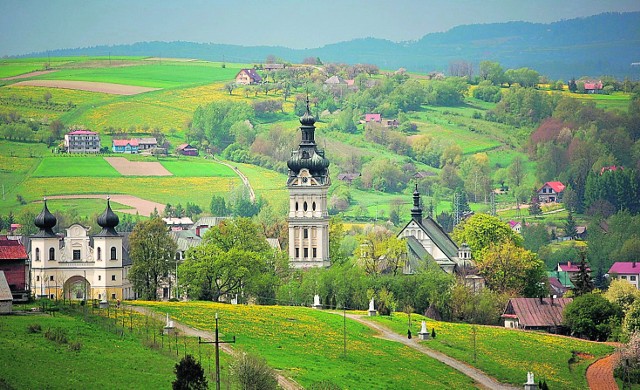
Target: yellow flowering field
[(508, 354), (307, 345)]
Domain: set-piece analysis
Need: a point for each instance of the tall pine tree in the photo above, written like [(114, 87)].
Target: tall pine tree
[(582, 282)]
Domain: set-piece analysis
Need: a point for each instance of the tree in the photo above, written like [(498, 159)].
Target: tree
[(253, 373), (153, 253), (214, 121), (582, 282), (229, 87), (508, 268), (570, 226), (480, 230), (217, 207), (516, 171), (534, 207), (535, 236), (189, 375), (492, 71), (622, 293), (590, 316)]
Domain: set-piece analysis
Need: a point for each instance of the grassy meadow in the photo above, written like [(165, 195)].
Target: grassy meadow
[(508, 354), (283, 336)]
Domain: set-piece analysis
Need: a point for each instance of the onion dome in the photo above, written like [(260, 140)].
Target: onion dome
[(108, 220), (45, 221), (416, 211), (318, 163), (307, 119)]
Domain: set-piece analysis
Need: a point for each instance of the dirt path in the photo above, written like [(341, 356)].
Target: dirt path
[(600, 373), (141, 206), (482, 380), (137, 168), (245, 180), (284, 382)]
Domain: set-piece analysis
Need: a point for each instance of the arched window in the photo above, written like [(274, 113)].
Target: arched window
[(296, 206), (52, 254), (37, 254), (99, 253), (113, 253), (313, 206), (304, 206)]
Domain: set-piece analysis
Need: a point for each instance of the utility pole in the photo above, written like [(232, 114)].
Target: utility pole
[(217, 342)]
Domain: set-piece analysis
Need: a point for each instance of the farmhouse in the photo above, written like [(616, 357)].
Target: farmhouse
[(82, 141), (125, 146), (593, 86), (629, 271), (147, 143), (516, 226), (187, 150), (76, 265), (551, 191), (14, 262), (377, 118), (248, 76), (570, 268), (535, 313)]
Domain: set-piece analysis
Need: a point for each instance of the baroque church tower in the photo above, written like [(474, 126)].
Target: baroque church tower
[(308, 184)]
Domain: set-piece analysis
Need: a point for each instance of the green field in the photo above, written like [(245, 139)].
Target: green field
[(307, 345), (508, 354), (75, 166), (197, 167)]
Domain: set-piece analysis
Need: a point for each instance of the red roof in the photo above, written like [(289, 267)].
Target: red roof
[(372, 118), (536, 312), (621, 267), (612, 168), (593, 85), (125, 142), (12, 250), (557, 186), (83, 132), (571, 267), (185, 147)]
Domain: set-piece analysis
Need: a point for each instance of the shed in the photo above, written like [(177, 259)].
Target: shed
[(535, 313), (6, 298)]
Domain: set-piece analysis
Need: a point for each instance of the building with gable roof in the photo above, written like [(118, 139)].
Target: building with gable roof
[(535, 313), (76, 265), (14, 262), (248, 76), (551, 191), (308, 183), (125, 146), (626, 270), (82, 141)]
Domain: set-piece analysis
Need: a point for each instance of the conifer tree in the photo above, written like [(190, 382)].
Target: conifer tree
[(582, 282)]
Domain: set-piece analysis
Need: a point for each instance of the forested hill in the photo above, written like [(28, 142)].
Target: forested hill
[(604, 44)]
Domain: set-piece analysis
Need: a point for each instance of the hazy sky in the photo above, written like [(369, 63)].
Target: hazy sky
[(39, 25)]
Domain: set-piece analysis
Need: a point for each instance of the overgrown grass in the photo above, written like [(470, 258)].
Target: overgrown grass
[(508, 354), (307, 345)]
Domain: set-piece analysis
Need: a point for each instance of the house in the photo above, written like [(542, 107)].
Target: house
[(535, 313), (629, 271), (551, 191), (335, 80), (79, 266), (187, 150), (581, 232), (6, 299), (516, 226), (181, 223), (390, 123), (205, 223), (125, 146), (147, 143), (348, 177), (556, 288), (248, 76), (593, 86), (428, 242), (372, 118), (82, 141), (14, 262), (424, 174), (269, 67)]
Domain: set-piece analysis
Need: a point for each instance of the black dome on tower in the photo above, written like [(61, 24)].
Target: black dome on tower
[(308, 156), (45, 221), (108, 221)]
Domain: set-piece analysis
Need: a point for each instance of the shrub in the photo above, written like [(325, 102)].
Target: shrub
[(58, 335), (189, 375), (253, 373), (34, 328), (433, 333), (75, 346)]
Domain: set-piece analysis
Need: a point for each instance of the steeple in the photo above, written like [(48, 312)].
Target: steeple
[(416, 211), (108, 220), (45, 221)]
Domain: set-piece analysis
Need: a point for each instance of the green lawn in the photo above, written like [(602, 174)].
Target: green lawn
[(75, 166), (307, 345), (197, 167), (30, 361), (508, 354)]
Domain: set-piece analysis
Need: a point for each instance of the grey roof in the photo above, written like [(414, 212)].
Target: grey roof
[(5, 291), (438, 236), (185, 239), (209, 221)]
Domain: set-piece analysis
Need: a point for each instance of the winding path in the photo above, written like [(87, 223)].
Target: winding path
[(283, 381), (600, 373), (482, 379), (245, 180)]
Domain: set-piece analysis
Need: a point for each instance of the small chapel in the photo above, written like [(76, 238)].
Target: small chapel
[(308, 184), (77, 265)]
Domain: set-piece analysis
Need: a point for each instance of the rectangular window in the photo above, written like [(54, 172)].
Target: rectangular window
[(297, 252), (51, 278), (113, 296), (306, 252), (76, 254), (99, 277), (305, 233), (113, 277), (315, 252), (632, 278), (624, 277), (37, 278)]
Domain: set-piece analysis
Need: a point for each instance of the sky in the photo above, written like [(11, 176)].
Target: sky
[(28, 26)]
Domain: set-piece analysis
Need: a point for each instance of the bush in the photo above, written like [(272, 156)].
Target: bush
[(189, 375), (75, 346), (253, 373), (58, 335), (34, 328)]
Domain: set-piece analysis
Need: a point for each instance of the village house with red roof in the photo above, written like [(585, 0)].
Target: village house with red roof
[(629, 271), (14, 262), (82, 141), (535, 313), (593, 86), (551, 191)]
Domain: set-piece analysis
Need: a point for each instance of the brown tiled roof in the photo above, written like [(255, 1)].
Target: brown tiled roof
[(536, 312)]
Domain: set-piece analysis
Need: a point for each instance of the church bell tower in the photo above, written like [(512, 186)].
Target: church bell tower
[(308, 184)]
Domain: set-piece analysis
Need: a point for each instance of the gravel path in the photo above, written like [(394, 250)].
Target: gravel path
[(482, 379), (600, 373), (245, 180), (284, 382)]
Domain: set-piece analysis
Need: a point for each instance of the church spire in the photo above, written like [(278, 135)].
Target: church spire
[(416, 211), (45, 221)]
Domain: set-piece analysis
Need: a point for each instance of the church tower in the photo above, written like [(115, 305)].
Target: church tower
[(308, 184)]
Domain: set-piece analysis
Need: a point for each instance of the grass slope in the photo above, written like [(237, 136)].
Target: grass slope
[(307, 345)]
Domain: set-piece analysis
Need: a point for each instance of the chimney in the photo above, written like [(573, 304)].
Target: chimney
[(634, 264), (568, 264)]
